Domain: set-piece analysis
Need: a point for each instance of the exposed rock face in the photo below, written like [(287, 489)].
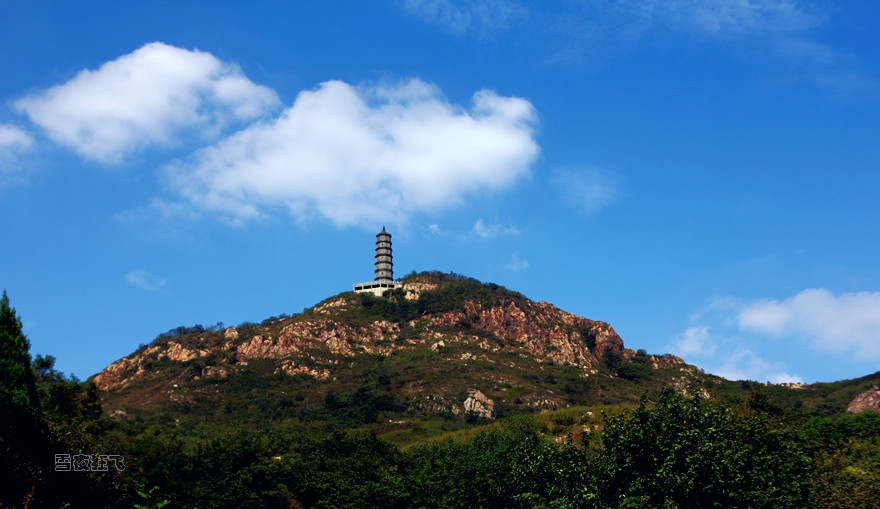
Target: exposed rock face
[(536, 330), (547, 332), (478, 403), (414, 288), (320, 333), (115, 374), (665, 361), (510, 332), (868, 400), (178, 352), (331, 306)]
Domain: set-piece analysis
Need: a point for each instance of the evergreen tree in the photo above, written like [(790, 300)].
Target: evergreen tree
[(17, 385)]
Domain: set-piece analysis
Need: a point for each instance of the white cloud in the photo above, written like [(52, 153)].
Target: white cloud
[(12, 138), (149, 96), (849, 322), (727, 356), (496, 229), (13, 141), (142, 279), (694, 341), (516, 264), (459, 17), (588, 189), (743, 364), (363, 155), (734, 338)]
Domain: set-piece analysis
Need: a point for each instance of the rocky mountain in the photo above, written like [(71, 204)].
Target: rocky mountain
[(443, 345)]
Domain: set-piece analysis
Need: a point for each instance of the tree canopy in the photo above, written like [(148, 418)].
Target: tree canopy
[(16, 379)]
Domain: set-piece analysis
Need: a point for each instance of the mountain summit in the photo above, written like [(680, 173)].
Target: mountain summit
[(441, 343)]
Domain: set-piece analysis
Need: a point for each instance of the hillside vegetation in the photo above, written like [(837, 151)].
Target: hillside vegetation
[(444, 347), (446, 393)]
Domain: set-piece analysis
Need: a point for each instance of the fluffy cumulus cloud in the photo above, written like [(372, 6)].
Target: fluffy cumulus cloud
[(357, 155), (849, 322), (146, 97)]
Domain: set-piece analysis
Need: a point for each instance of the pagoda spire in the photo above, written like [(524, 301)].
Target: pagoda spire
[(384, 265), (384, 279)]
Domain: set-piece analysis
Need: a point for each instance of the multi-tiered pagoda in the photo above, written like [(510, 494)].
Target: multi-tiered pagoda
[(384, 268)]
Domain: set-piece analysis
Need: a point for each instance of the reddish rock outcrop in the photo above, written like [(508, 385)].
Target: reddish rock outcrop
[(114, 374), (177, 352), (866, 401), (516, 326)]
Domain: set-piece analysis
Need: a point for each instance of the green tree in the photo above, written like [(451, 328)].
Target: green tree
[(16, 379), (33, 433), (64, 396), (686, 452), (509, 465)]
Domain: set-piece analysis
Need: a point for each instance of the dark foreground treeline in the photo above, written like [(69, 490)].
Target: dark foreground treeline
[(675, 452)]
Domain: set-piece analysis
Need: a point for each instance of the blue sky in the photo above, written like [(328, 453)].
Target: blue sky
[(701, 174)]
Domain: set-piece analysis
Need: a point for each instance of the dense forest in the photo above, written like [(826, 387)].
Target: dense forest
[(670, 450)]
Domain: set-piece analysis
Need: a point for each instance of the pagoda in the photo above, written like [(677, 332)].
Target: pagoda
[(384, 266)]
